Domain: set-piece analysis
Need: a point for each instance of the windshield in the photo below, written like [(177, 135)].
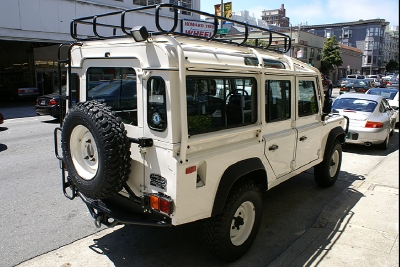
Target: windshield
[(388, 94)]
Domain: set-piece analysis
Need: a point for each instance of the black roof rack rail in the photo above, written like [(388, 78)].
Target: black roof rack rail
[(273, 40)]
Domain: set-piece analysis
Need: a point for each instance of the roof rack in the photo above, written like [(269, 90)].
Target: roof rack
[(273, 40)]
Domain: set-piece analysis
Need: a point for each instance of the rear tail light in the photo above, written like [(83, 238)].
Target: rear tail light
[(161, 203), (52, 102), (373, 124)]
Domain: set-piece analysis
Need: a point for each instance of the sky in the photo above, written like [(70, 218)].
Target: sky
[(315, 12)]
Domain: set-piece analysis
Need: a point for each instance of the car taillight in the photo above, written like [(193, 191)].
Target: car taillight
[(52, 102), (161, 203), (373, 124)]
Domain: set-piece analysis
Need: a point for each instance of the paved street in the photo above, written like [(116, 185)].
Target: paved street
[(354, 223)]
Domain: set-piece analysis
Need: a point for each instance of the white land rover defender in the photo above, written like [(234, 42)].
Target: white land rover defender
[(163, 128)]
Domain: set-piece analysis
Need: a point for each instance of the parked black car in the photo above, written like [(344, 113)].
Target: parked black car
[(355, 86), (50, 104)]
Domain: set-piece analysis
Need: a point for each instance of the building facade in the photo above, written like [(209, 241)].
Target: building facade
[(367, 35), (31, 31), (276, 16)]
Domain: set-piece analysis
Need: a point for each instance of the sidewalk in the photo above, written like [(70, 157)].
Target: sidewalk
[(364, 231)]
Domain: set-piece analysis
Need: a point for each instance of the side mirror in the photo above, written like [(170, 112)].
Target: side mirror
[(327, 105)]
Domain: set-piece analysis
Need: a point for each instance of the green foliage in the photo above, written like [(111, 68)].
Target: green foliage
[(199, 122), (260, 42), (331, 55), (393, 65)]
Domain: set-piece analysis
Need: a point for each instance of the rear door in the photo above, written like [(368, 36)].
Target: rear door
[(308, 121)]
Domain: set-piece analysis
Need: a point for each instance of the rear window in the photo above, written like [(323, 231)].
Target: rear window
[(116, 87), (355, 104)]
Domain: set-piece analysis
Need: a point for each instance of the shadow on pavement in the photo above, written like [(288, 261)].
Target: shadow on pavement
[(18, 109), (290, 210)]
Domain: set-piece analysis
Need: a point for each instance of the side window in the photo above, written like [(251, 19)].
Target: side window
[(278, 100), (156, 110), (383, 106), (386, 105), (116, 87), (307, 98), (218, 103)]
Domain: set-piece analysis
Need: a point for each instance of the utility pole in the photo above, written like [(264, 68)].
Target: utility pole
[(222, 13)]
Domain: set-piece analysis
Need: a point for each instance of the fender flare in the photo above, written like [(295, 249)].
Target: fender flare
[(335, 133), (232, 174)]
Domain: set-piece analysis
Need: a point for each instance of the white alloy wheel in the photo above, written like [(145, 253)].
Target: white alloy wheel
[(333, 164), (242, 223), (84, 152)]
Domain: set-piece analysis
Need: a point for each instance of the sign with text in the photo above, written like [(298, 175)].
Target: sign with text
[(227, 10), (197, 28)]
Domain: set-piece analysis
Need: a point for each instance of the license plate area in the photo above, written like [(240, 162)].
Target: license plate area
[(43, 102), (352, 136)]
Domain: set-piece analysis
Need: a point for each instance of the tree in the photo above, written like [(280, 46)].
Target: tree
[(393, 65), (331, 55)]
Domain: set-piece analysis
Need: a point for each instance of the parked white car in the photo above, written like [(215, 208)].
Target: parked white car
[(372, 120)]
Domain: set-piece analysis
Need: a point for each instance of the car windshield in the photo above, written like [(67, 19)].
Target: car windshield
[(355, 82), (388, 94), (356, 104)]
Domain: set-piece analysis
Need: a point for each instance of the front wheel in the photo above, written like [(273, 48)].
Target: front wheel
[(326, 173), (231, 233)]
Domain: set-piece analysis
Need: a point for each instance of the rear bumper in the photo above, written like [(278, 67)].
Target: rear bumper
[(53, 110), (366, 135), (123, 211)]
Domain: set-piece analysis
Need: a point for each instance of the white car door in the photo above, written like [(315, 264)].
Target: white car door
[(279, 134), (308, 122)]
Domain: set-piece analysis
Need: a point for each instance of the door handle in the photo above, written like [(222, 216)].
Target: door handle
[(273, 147), (303, 138)]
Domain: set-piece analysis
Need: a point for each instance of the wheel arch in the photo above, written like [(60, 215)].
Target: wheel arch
[(335, 133), (249, 169)]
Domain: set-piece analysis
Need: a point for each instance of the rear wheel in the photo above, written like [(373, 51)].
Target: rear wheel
[(231, 233), (326, 173), (385, 144)]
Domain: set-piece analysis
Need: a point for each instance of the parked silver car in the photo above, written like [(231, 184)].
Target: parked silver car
[(391, 95), (372, 120)]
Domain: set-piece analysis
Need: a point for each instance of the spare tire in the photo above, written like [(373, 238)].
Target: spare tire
[(95, 149)]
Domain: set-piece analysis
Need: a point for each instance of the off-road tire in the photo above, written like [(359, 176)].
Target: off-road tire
[(225, 241), (326, 172), (95, 149)]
